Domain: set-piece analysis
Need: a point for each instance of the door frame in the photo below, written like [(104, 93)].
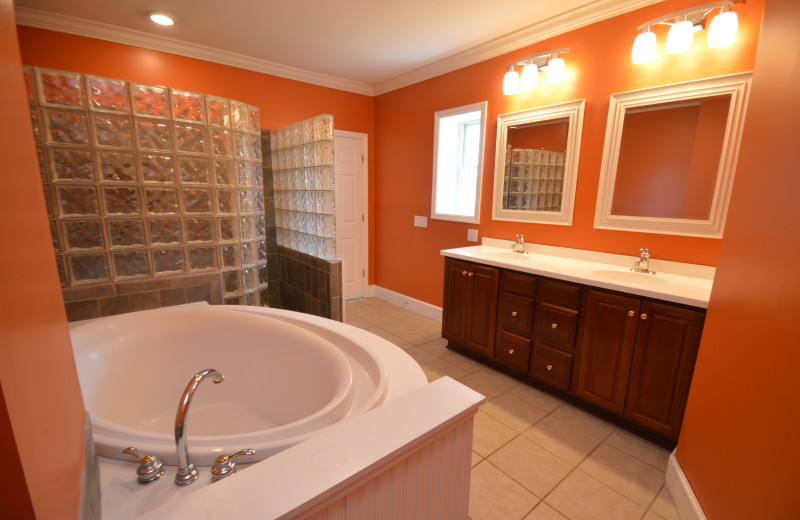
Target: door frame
[(364, 199)]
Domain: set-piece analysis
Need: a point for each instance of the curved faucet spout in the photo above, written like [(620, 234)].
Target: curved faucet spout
[(187, 473)]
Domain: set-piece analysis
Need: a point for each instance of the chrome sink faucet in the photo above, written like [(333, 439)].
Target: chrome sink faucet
[(642, 264), (519, 245), (187, 473)]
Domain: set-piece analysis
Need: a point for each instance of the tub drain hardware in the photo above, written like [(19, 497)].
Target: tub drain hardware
[(225, 466), (150, 468)]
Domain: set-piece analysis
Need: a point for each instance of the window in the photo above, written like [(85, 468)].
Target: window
[(458, 136)]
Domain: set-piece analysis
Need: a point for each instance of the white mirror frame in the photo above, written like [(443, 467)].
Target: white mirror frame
[(573, 112), (738, 87)]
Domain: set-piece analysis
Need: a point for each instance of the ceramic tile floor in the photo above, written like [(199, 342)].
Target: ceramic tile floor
[(534, 457)]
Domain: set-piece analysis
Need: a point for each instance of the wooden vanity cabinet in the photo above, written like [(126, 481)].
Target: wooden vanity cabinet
[(515, 320), (470, 303), (629, 356), (637, 359), (556, 329)]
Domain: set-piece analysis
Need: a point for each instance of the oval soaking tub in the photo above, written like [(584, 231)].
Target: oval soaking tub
[(287, 376)]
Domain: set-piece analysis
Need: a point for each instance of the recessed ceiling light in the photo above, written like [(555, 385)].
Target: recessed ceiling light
[(161, 18)]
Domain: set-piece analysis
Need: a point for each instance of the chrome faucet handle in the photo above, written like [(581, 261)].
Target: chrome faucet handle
[(645, 252), (149, 469), (224, 464)]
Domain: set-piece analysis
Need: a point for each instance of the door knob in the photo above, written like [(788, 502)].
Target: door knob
[(549, 367), (554, 325), (511, 351), (644, 316), (631, 313), (513, 313)]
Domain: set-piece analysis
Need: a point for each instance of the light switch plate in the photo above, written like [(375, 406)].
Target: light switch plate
[(420, 221), (472, 235)]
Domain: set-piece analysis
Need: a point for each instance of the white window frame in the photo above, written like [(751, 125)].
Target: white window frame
[(438, 116)]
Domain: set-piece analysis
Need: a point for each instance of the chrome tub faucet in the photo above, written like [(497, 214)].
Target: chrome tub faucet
[(519, 245), (187, 473)]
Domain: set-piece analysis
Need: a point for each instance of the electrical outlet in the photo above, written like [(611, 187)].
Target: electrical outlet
[(472, 235), (420, 221)]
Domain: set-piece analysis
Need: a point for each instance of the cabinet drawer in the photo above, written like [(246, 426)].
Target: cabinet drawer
[(513, 351), (551, 366), (557, 326), (563, 294), (516, 314), (519, 283)]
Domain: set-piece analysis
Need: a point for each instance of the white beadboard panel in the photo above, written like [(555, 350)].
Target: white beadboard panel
[(429, 481)]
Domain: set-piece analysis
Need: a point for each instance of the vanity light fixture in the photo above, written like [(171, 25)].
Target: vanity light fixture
[(549, 61), (161, 18), (683, 24)]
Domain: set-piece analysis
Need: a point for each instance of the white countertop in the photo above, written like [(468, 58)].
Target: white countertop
[(676, 282)]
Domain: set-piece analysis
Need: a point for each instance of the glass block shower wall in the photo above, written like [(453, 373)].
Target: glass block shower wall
[(145, 181), (302, 165)]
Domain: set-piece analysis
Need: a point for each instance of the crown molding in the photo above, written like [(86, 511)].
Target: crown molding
[(575, 19), (563, 23), (72, 25)]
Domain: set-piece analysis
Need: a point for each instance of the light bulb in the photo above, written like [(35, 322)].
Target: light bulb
[(511, 83), (555, 71), (722, 30), (679, 38), (644, 48), (161, 19), (529, 77)]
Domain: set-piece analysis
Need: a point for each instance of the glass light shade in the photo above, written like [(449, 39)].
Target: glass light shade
[(722, 30), (680, 36), (161, 19), (511, 83), (555, 71), (644, 48), (529, 77)]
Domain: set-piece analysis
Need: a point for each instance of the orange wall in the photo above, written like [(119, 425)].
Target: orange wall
[(43, 410), (738, 446), (281, 101), (652, 176), (552, 137), (598, 65)]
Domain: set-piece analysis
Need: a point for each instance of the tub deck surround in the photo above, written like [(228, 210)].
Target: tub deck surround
[(359, 453), (676, 282)]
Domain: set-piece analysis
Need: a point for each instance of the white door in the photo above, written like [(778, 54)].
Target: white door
[(349, 152)]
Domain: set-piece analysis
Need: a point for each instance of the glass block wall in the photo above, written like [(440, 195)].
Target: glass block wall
[(302, 165), (145, 181)]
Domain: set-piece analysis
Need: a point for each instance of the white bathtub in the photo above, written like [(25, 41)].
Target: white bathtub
[(288, 375)]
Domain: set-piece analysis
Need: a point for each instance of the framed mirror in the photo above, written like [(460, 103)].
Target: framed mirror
[(537, 164), (669, 157)]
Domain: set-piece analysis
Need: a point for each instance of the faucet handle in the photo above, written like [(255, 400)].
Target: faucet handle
[(149, 469), (645, 252), (224, 464)]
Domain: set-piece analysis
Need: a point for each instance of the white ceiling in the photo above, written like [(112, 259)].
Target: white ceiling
[(365, 46)]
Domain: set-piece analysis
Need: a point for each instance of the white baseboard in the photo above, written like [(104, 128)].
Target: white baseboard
[(412, 304), (682, 494)]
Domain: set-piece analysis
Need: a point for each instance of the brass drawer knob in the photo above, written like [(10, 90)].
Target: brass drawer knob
[(644, 316), (549, 367), (470, 274), (631, 313), (511, 351), (554, 325), (513, 313), (463, 273)]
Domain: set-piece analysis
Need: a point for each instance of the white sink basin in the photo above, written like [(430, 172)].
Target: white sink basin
[(505, 256), (629, 276)]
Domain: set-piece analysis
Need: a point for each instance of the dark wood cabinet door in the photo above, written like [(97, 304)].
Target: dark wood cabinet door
[(482, 309), (456, 290), (607, 349), (663, 362)]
